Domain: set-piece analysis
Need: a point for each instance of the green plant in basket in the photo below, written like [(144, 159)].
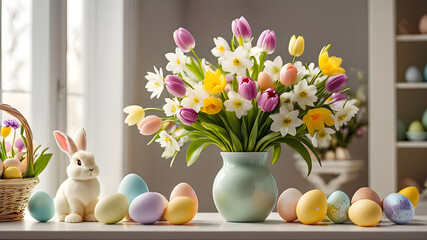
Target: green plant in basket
[(248, 102), (13, 154)]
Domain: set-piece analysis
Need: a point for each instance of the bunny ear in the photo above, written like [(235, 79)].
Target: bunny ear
[(80, 139), (65, 142)]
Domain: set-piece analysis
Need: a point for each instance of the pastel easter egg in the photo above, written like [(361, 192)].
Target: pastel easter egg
[(150, 125), (265, 81), (425, 73), (287, 204), (338, 204), (424, 119), (416, 126), (12, 172), (112, 208), (132, 186), (401, 129), (412, 74), (412, 194), (312, 207), (366, 193), (41, 206), (180, 210), (147, 208), (365, 213), (184, 190), (13, 162), (398, 208), (165, 203)]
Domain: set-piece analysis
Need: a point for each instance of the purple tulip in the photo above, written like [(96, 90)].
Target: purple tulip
[(175, 85), (338, 97), (187, 116), (19, 144), (267, 41), (247, 89), (183, 39), (336, 83), (268, 100), (240, 27)]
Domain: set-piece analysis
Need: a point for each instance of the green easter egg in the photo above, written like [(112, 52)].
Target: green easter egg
[(401, 129), (416, 126), (424, 119)]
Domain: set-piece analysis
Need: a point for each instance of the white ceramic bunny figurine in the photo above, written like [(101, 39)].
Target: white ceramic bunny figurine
[(77, 196)]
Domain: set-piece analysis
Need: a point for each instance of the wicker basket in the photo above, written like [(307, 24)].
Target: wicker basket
[(15, 193)]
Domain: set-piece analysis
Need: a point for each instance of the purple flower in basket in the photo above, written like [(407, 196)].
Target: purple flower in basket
[(19, 144), (12, 123)]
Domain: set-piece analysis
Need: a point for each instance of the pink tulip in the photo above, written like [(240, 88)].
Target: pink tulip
[(183, 39), (267, 41), (288, 74), (19, 144), (150, 125), (8, 146), (240, 27), (247, 88), (268, 100)]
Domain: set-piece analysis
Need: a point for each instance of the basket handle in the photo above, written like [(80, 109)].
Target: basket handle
[(28, 133)]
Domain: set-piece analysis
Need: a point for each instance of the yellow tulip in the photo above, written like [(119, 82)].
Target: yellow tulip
[(211, 105), (316, 118), (5, 131), (214, 82), (330, 65), (296, 46), (136, 114)]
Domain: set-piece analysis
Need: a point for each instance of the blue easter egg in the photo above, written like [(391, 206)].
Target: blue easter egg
[(398, 208), (132, 186), (338, 205), (41, 206), (412, 74)]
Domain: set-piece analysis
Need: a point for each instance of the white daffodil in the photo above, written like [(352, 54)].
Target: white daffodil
[(285, 121), (176, 62), (273, 67), (190, 77), (286, 100), (237, 104), (221, 46), (156, 82), (346, 114), (168, 153), (322, 139), (304, 95), (171, 107), (195, 97), (313, 72), (237, 62), (302, 71), (167, 141)]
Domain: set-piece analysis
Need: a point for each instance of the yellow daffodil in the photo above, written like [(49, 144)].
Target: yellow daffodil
[(296, 46), (136, 114), (316, 118), (211, 105), (5, 131), (214, 82), (330, 65)]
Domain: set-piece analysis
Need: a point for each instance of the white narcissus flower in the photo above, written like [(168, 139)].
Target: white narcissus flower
[(195, 97), (237, 62), (171, 107), (313, 72), (304, 95), (156, 82), (168, 153), (221, 46), (285, 121), (302, 71), (286, 100), (346, 114), (177, 61), (322, 139), (237, 104), (273, 67), (167, 141)]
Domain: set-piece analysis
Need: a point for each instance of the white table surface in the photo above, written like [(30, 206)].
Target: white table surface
[(212, 226)]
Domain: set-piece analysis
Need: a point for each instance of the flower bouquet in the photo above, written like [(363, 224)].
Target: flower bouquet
[(247, 102)]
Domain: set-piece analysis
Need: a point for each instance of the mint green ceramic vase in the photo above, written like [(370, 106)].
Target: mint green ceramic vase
[(244, 190)]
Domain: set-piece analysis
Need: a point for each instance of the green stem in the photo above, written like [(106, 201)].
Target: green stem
[(317, 75), (293, 60), (187, 83), (155, 109), (198, 59), (240, 40), (13, 143), (261, 61)]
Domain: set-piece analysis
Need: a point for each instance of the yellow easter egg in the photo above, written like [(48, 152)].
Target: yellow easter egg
[(365, 213), (412, 194), (180, 210), (12, 172), (312, 207)]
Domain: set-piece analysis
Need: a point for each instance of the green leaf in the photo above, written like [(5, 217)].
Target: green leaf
[(264, 142), (244, 132), (218, 131), (254, 134), (195, 148), (277, 150), (154, 138), (237, 145), (41, 163), (173, 158), (300, 148), (233, 121), (312, 148)]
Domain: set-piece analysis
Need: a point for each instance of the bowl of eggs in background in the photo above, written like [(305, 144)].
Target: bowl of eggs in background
[(365, 208)]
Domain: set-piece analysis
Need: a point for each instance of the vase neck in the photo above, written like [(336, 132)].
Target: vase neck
[(244, 158)]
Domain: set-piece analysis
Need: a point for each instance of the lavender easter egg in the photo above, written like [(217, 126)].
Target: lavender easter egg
[(147, 208), (398, 208)]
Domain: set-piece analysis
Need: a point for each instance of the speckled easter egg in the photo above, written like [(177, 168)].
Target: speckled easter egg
[(338, 204), (287, 204), (41, 206), (398, 208)]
